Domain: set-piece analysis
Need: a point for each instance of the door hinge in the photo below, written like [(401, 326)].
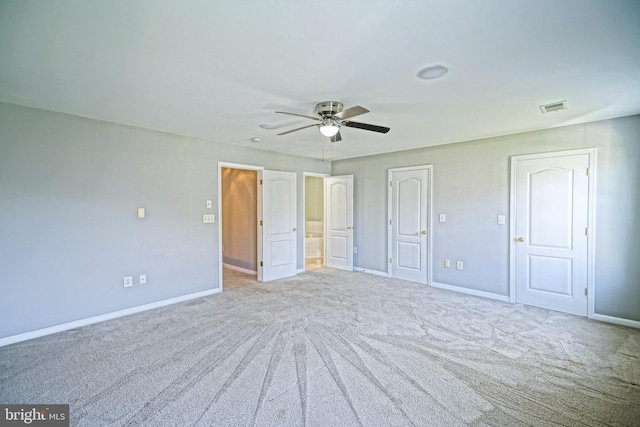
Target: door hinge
[(390, 183), (389, 260), (390, 222), (260, 222), (586, 231), (260, 182), (588, 172), (586, 291), (260, 263)]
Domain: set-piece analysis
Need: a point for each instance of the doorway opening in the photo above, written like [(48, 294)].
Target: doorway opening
[(239, 224), (314, 225)]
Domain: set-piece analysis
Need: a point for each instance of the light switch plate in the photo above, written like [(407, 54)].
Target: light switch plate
[(208, 204), (502, 219), (443, 217), (141, 213)]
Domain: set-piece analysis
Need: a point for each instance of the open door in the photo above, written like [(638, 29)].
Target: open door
[(278, 224), (339, 222)]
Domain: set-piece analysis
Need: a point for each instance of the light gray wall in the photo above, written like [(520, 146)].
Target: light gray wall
[(471, 185), (240, 218), (69, 190)]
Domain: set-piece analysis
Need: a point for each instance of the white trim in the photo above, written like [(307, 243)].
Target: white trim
[(259, 239), (591, 223), (103, 317), (240, 269), (369, 271), (473, 292), (300, 271), (429, 169), (616, 320)]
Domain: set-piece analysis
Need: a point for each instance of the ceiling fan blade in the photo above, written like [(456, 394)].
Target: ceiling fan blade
[(365, 126), (299, 115), (351, 112), (336, 137), (296, 129)]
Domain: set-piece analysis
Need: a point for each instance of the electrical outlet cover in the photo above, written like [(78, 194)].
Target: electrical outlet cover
[(128, 281)]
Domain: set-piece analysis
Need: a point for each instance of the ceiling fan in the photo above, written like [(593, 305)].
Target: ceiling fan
[(332, 116)]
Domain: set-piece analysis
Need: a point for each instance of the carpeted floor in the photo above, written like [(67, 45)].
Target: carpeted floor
[(332, 348)]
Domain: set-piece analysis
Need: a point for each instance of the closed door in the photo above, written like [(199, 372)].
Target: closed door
[(339, 220), (408, 224), (551, 235), (279, 229)]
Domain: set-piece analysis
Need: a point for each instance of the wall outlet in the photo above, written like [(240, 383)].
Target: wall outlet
[(355, 250), (443, 217), (128, 281), (447, 263), (143, 279), (208, 219), (459, 265)]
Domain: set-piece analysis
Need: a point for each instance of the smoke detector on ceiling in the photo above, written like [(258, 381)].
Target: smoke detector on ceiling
[(556, 106)]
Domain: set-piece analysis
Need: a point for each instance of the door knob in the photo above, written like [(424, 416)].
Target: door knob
[(295, 229), (520, 239), (349, 227), (424, 232)]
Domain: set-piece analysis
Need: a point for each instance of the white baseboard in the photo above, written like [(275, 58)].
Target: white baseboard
[(616, 320), (240, 269), (475, 292), (300, 271), (101, 318), (374, 272)]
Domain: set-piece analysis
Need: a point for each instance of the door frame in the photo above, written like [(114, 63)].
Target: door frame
[(429, 169), (304, 207), (259, 170), (591, 220)]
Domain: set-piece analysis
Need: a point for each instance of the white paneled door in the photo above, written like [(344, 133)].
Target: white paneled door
[(279, 225), (551, 232), (339, 219), (408, 223)]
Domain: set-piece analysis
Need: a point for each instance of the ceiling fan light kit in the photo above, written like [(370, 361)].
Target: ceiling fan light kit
[(331, 117), (329, 130)]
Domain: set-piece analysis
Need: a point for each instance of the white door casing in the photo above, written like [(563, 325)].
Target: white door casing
[(551, 225), (409, 223), (339, 222), (279, 225)]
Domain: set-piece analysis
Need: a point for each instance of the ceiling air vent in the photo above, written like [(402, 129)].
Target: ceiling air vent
[(556, 106)]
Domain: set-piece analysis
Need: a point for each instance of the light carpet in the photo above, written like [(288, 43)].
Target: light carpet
[(333, 348)]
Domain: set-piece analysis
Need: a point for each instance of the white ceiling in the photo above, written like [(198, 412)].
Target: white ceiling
[(218, 69)]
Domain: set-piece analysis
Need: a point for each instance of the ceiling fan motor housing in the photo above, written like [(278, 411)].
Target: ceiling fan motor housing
[(329, 108)]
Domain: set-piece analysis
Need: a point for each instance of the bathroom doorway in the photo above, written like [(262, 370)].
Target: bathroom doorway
[(314, 227)]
